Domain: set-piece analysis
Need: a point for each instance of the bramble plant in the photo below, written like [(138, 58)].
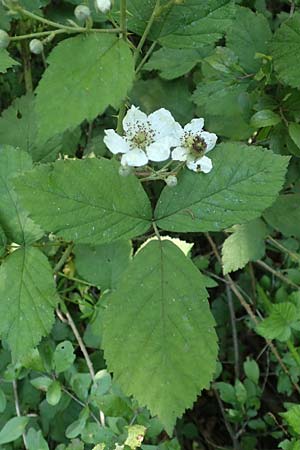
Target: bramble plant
[(135, 135)]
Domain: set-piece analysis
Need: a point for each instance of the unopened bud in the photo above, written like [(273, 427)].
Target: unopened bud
[(103, 5), (4, 39), (124, 171), (36, 46), (171, 181), (82, 12)]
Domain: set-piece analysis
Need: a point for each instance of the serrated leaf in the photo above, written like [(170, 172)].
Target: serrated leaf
[(14, 220), (27, 291), (6, 62), (245, 244), (161, 333), (294, 132), (292, 418), (226, 196), (249, 34), (284, 215), (285, 52), (70, 93), (103, 265), (18, 127), (173, 63), (76, 200), (13, 429), (283, 318)]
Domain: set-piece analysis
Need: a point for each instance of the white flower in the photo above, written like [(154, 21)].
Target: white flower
[(194, 144), (145, 137), (103, 5)]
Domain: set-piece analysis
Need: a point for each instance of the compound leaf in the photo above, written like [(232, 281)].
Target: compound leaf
[(75, 199), (27, 292), (283, 318), (100, 75), (159, 340), (243, 182)]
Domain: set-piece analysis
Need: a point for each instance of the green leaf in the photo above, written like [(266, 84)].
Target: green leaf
[(76, 200), (27, 291), (173, 63), (285, 52), (53, 395), (6, 62), (249, 34), (227, 195), (163, 333), (13, 429), (240, 392), (265, 118), (18, 127), (135, 437), (35, 440), (70, 93), (245, 244), (63, 356), (294, 132), (13, 218), (174, 95), (227, 392), (292, 418), (251, 370), (284, 215), (103, 265), (2, 401), (3, 242), (283, 318)]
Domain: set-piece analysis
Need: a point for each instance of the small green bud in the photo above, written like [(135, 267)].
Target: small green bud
[(36, 46), (82, 12), (171, 181), (124, 171), (4, 39)]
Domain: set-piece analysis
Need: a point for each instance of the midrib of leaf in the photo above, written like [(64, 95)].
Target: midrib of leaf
[(15, 207)]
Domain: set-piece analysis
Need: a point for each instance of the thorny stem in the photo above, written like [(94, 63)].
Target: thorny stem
[(17, 407), (251, 314), (146, 31), (148, 53)]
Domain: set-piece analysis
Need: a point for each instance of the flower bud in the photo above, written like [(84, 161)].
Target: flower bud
[(171, 181), (103, 5), (82, 12), (124, 171), (36, 46), (4, 39)]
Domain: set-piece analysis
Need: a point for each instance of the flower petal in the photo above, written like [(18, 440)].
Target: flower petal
[(163, 124), (195, 126), (135, 158), (159, 150), (115, 143), (210, 139), (133, 121), (180, 154), (203, 164)]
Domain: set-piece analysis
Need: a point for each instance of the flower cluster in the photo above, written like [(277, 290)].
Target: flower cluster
[(158, 136)]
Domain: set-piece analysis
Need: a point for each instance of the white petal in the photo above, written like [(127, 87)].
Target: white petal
[(159, 150), (135, 158), (133, 119), (203, 164), (179, 154), (210, 139), (163, 124), (195, 126), (115, 143)]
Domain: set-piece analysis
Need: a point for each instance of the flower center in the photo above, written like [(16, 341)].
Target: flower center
[(195, 144), (143, 137)]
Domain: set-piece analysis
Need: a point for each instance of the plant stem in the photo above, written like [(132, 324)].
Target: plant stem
[(276, 273), (25, 54), (63, 258), (277, 244), (293, 351), (148, 53), (123, 19), (17, 407), (36, 35), (228, 426), (121, 115), (234, 332), (146, 31)]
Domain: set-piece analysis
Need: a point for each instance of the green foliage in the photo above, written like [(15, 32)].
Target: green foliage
[(283, 319), (13, 429), (63, 95), (63, 357), (27, 291), (85, 212), (286, 206), (292, 418), (170, 313), (225, 196), (6, 62), (245, 244)]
